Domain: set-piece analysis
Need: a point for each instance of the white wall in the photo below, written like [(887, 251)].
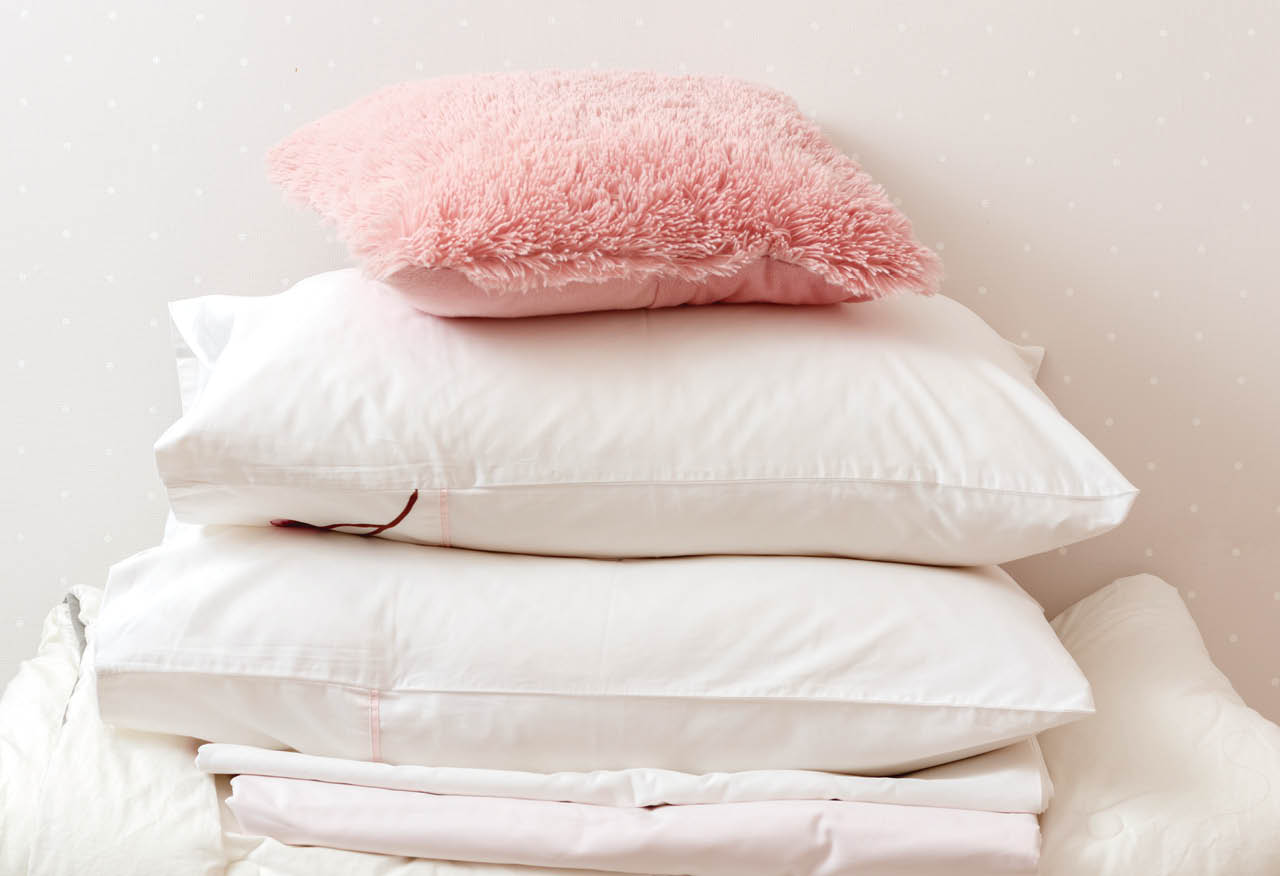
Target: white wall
[(1100, 177)]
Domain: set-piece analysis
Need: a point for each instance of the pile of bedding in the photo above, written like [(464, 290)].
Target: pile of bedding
[(618, 585), (1174, 775)]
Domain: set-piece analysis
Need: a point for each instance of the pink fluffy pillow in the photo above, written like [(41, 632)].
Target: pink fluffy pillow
[(555, 192)]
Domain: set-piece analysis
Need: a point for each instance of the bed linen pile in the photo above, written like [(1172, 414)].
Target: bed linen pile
[(636, 715), (697, 590), (226, 656), (1139, 788)]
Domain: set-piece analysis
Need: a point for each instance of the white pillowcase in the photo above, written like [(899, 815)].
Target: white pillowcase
[(903, 429), (373, 650), (1175, 774)]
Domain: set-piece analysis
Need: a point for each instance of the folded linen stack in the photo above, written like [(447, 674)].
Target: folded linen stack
[(695, 590)]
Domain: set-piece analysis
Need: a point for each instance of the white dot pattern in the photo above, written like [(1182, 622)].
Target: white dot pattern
[(1115, 209)]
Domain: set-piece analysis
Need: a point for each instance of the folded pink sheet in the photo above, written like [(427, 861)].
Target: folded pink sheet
[(771, 838)]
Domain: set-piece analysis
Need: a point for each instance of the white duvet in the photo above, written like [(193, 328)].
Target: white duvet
[(1174, 776)]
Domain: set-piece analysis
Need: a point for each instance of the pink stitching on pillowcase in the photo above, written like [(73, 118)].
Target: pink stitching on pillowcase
[(444, 516), (375, 727)]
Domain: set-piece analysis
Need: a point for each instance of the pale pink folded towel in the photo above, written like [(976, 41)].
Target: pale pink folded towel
[(772, 838)]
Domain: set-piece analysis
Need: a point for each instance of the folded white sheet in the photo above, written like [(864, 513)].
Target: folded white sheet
[(1011, 779), (798, 838)]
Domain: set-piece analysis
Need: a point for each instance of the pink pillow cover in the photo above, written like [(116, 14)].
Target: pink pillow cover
[(518, 194)]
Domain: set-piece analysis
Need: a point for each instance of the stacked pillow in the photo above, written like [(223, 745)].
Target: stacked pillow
[(446, 657), (525, 194), (748, 537), (902, 429)]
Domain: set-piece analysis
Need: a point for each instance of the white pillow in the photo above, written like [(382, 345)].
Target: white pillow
[(1175, 774), (902, 429), (373, 650)]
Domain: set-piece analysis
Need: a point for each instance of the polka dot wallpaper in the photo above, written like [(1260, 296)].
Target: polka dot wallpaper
[(1100, 179)]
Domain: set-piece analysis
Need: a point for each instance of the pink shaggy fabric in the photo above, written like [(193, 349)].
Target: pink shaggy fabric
[(534, 182)]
